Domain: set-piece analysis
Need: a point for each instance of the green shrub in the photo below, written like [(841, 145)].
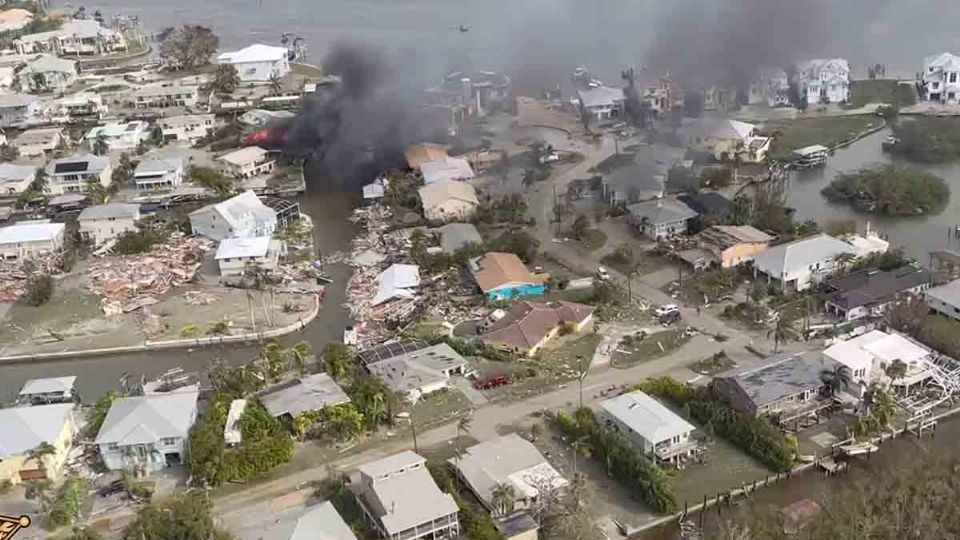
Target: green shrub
[(895, 190)]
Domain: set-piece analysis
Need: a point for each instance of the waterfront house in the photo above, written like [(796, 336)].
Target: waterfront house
[(601, 103), (166, 95), (868, 292), (16, 179), (236, 256), (38, 141), (502, 276), (413, 369), (147, 433), (868, 356), (789, 386), (944, 299), (74, 38), (246, 163), (30, 239), (802, 263), (660, 218), (508, 460), (448, 200), (241, 216), (27, 428), (104, 222), (48, 390), (725, 246), (304, 394), (771, 87), (47, 73), (661, 94), (160, 173), (823, 80), (17, 109), (402, 502), (649, 426), (446, 168), (119, 135), (73, 174), (724, 139), (258, 63), (528, 326), (317, 522), (189, 127), (940, 79)]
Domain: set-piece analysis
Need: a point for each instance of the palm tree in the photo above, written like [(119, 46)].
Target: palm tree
[(503, 498), (41, 451), (896, 370), (100, 145), (880, 404), (838, 379), (844, 259), (581, 445), (783, 331), (276, 85), (463, 427), (39, 183), (299, 354)]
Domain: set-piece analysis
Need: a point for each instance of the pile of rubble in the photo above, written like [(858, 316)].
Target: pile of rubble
[(14, 274), (372, 251), (127, 283)]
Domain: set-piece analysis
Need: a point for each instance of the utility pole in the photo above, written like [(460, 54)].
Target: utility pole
[(580, 376), (413, 429)]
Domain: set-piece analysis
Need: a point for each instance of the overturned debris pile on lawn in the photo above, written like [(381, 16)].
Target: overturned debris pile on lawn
[(14, 274), (127, 283)]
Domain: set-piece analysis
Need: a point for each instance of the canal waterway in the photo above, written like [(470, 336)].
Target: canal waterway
[(812, 484), (918, 236), (96, 375)]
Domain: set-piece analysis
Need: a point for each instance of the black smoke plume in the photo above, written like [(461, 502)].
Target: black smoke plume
[(355, 129)]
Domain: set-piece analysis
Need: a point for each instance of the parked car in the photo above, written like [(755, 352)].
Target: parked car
[(666, 309), (493, 381), (669, 318), (603, 274)]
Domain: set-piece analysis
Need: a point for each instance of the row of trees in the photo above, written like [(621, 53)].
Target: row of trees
[(623, 462), (754, 435)]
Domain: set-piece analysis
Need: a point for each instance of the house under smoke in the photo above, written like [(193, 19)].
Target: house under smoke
[(470, 93)]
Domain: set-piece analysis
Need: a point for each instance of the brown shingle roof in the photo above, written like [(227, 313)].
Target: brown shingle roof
[(527, 323), (498, 269)]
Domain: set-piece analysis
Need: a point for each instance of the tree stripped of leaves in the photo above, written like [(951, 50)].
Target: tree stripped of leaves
[(187, 517), (189, 46)]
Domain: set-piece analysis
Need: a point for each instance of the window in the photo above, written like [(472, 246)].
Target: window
[(953, 77), (168, 441)]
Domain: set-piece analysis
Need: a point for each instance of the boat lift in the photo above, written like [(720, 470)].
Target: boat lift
[(942, 386)]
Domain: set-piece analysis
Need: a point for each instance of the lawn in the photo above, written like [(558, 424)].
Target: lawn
[(593, 239), (789, 135), (712, 365), (880, 91), (650, 348)]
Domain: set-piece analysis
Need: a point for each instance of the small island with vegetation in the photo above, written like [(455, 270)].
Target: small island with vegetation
[(892, 190), (927, 139)]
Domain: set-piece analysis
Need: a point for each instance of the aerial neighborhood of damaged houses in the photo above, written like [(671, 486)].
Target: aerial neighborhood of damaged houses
[(592, 286)]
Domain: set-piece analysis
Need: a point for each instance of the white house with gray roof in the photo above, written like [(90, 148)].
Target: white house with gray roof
[(17, 109), (118, 135), (242, 216), (246, 162), (30, 239), (187, 127), (508, 460), (802, 263), (258, 62), (318, 522), (940, 79), (48, 73), (73, 174), (661, 218), (15, 179), (649, 426), (104, 222), (167, 95), (236, 256), (823, 80), (309, 393), (945, 299), (601, 102), (74, 37), (147, 433), (414, 369), (160, 173), (402, 502)]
